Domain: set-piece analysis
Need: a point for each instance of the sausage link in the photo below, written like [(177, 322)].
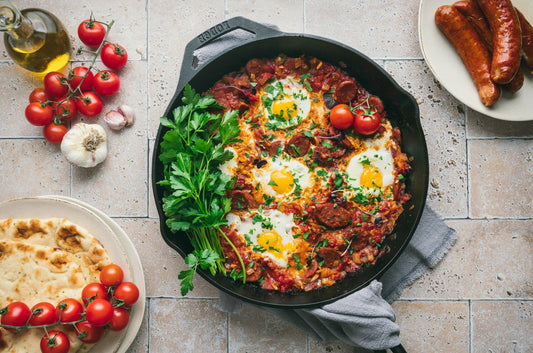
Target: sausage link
[(471, 11), (471, 49), (527, 39), (506, 38)]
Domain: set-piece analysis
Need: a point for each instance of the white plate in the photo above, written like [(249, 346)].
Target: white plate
[(113, 238), (448, 68)]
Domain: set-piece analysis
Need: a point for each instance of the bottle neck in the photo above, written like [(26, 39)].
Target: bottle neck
[(14, 22)]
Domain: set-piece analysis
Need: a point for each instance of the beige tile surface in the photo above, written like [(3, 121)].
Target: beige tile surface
[(478, 299), (491, 335)]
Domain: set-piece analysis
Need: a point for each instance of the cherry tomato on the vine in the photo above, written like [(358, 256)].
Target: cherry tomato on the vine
[(106, 83), (120, 319), (99, 312), (54, 133), (72, 310), (367, 121), (341, 116), (17, 314), (76, 75), (39, 114), (111, 275), (127, 292), (55, 342), (91, 33), (65, 109), (89, 333), (114, 56), (89, 104), (55, 84), (43, 314), (93, 291), (38, 95)]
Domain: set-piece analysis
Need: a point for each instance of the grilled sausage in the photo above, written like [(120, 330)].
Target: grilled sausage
[(332, 216), (471, 11), (471, 49), (506, 38), (345, 91), (298, 145), (527, 39)]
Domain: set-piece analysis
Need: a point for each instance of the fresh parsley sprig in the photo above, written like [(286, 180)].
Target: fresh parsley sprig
[(195, 198)]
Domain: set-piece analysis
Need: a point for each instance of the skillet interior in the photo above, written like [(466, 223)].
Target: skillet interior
[(402, 111)]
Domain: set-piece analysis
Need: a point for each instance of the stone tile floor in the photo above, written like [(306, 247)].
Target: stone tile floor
[(478, 299)]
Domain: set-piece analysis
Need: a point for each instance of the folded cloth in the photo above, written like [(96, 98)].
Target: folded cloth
[(365, 319)]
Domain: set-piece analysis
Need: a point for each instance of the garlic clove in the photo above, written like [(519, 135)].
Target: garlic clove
[(84, 145), (115, 120), (128, 114)]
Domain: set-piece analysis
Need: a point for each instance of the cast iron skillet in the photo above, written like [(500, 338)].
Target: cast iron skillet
[(401, 109)]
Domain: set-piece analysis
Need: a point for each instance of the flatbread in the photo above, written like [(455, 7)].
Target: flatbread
[(45, 260)]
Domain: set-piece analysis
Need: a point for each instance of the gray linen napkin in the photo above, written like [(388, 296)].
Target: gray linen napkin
[(365, 318)]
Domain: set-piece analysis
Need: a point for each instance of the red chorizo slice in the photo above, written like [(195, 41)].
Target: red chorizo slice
[(332, 216), (254, 68), (242, 199), (298, 145), (253, 274), (345, 92), (376, 104), (330, 255), (506, 38)]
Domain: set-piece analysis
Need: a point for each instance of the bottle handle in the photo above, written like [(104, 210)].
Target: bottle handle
[(10, 16)]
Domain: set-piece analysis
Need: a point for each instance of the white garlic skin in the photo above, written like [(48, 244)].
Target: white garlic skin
[(128, 114), (115, 120), (85, 145)]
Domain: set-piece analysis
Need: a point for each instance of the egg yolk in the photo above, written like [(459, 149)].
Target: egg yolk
[(272, 242), (285, 108), (281, 181), (371, 177)]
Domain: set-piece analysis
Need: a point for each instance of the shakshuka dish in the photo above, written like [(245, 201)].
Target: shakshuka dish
[(319, 173)]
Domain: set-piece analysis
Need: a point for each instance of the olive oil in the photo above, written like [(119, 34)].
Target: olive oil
[(36, 40)]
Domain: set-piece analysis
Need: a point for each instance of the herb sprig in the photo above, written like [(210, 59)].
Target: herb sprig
[(195, 198)]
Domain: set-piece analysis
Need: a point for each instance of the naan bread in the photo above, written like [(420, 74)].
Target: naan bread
[(45, 260)]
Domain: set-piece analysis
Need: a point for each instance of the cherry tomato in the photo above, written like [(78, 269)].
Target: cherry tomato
[(91, 33), (120, 319), (43, 314), (66, 109), (38, 95), (91, 334), (106, 83), (127, 292), (39, 114), (341, 116), (111, 275), (114, 56), (72, 310), (93, 291), (55, 342), (54, 133), (366, 121), (99, 312), (76, 75), (16, 314), (55, 84), (89, 104)]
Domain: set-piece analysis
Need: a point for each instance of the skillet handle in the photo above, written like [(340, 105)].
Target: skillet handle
[(190, 66)]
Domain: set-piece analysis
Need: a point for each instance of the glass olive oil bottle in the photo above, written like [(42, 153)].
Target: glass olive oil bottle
[(35, 39)]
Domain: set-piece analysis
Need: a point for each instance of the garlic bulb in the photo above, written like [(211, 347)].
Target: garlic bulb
[(84, 145)]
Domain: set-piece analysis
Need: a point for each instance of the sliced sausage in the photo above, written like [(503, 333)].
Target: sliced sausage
[(506, 38), (471, 49), (298, 145), (330, 255), (332, 216), (376, 104), (253, 274), (527, 39), (242, 199), (326, 156), (345, 92)]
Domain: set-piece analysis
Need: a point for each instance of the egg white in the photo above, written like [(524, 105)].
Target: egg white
[(298, 170), (253, 225), (380, 159)]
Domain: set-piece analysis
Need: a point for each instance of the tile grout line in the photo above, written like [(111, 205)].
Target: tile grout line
[(470, 328)]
